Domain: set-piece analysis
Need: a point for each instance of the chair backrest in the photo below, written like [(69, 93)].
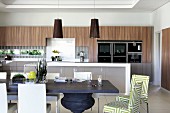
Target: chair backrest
[(3, 75), (52, 75), (3, 98), (145, 80), (32, 98), (83, 75), (134, 101), (14, 73)]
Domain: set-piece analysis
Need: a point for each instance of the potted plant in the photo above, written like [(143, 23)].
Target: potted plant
[(53, 58)]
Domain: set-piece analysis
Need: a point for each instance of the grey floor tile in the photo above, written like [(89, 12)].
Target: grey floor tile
[(159, 102)]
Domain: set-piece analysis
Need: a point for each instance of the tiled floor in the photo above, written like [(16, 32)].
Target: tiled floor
[(159, 102)]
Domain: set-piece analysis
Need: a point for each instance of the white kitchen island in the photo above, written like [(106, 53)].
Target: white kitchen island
[(117, 73)]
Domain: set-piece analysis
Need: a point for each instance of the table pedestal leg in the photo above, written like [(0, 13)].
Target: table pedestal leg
[(77, 102)]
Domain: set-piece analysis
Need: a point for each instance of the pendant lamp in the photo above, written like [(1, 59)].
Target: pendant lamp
[(58, 31), (94, 28)]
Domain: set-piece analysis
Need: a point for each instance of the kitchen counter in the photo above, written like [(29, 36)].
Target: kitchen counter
[(36, 59), (117, 73), (88, 64)]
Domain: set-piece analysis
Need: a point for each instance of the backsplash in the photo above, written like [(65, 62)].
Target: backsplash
[(34, 51), (22, 51), (81, 48)]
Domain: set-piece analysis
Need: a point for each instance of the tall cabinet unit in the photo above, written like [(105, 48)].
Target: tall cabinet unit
[(120, 51), (165, 70)]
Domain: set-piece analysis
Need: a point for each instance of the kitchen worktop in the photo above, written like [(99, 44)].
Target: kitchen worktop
[(70, 63), (88, 64), (36, 59), (116, 73)]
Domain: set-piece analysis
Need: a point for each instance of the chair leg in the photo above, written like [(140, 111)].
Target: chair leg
[(147, 107), (98, 105), (57, 107)]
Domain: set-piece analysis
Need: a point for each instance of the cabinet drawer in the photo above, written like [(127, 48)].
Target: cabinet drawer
[(104, 59), (119, 59)]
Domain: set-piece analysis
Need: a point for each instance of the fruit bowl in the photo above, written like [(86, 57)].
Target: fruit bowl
[(18, 78)]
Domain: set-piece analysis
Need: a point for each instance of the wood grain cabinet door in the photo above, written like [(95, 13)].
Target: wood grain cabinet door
[(2, 36), (24, 35)]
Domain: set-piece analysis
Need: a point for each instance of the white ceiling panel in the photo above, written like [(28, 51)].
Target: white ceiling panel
[(80, 5)]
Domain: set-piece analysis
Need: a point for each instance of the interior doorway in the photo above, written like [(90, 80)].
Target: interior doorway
[(157, 55)]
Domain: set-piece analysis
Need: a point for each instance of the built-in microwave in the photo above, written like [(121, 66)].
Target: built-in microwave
[(135, 47)]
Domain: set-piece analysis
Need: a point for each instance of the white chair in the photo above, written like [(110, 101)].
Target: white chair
[(3, 75), (5, 107), (83, 75), (54, 97), (32, 98), (52, 75)]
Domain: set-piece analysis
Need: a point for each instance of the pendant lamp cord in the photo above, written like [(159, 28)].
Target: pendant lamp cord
[(58, 10), (94, 8)]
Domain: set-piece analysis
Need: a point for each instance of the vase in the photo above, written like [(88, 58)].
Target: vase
[(41, 78), (41, 71)]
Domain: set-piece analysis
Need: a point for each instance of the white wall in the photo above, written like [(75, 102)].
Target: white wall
[(160, 20), (75, 19)]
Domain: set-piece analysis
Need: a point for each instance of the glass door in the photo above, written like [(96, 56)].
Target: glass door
[(104, 52), (119, 49), (119, 52)]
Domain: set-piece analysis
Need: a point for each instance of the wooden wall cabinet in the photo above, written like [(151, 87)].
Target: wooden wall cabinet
[(143, 33), (36, 36), (24, 35), (2, 36)]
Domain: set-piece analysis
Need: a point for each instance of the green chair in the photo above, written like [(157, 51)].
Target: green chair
[(144, 94), (123, 107)]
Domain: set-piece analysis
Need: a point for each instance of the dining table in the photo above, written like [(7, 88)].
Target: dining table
[(77, 95)]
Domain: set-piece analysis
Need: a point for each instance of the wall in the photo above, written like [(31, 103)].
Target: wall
[(75, 19), (160, 20)]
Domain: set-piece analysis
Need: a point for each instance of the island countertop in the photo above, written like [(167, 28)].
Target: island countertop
[(117, 73), (89, 64)]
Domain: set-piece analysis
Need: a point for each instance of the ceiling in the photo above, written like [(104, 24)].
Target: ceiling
[(80, 5)]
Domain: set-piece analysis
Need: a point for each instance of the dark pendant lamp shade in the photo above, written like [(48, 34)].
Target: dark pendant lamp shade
[(94, 29), (58, 31)]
